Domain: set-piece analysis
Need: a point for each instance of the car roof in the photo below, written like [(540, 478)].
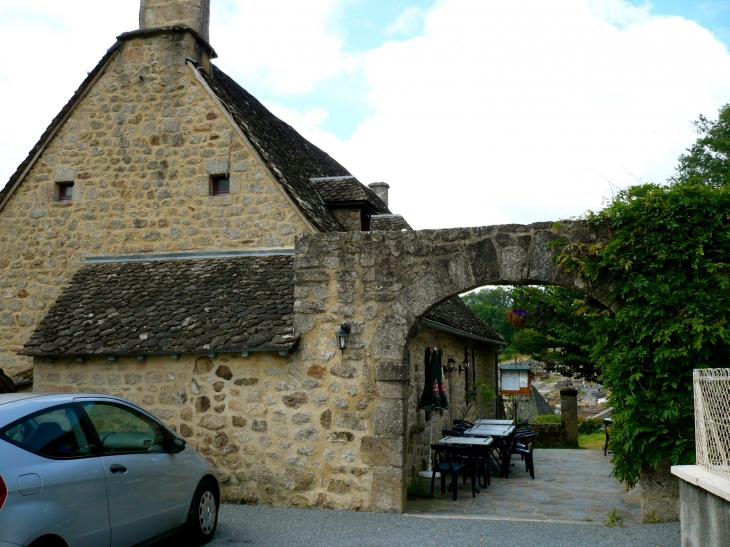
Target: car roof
[(6, 398), (12, 397)]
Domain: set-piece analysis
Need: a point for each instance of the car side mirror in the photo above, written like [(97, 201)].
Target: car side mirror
[(177, 446)]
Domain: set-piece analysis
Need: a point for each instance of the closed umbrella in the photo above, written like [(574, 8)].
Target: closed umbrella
[(434, 393), (440, 400)]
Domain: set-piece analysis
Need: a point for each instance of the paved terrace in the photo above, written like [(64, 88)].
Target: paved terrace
[(572, 486), (565, 506)]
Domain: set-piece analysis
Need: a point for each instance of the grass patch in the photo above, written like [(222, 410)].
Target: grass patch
[(614, 519), (419, 488), (594, 441)]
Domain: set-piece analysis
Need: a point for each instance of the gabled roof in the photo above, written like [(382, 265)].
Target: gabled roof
[(342, 190), (172, 306), (383, 223), (55, 124), (455, 314), (291, 157)]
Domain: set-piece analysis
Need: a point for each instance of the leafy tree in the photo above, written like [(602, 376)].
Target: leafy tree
[(491, 304), (667, 261), (708, 160), (559, 329)]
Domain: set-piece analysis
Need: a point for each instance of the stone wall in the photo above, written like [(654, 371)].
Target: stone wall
[(140, 149), (418, 426), (280, 431)]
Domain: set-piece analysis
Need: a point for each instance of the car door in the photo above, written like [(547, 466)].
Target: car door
[(146, 484), (57, 482)]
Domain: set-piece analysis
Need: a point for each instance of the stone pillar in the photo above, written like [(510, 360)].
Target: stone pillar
[(659, 494), (167, 13), (381, 190), (569, 415)]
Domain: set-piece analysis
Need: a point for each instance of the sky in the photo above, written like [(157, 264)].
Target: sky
[(476, 112)]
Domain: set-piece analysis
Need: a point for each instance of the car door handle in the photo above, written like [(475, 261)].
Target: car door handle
[(116, 468)]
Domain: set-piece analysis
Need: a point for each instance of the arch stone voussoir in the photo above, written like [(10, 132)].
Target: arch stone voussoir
[(389, 281)]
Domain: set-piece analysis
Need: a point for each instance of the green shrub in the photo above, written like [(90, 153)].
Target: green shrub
[(547, 419), (586, 426), (419, 488)]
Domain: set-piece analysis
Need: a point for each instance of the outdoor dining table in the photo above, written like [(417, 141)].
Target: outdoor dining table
[(490, 431), (472, 443), (501, 434), (493, 422)]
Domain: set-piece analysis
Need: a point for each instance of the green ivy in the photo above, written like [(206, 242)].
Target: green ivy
[(667, 262)]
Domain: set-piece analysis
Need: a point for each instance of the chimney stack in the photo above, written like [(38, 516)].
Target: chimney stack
[(168, 13), (381, 190)]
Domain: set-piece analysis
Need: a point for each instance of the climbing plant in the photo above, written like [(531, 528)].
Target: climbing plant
[(667, 259)]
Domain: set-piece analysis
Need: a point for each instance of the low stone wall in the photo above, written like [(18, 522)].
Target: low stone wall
[(549, 435), (704, 507)]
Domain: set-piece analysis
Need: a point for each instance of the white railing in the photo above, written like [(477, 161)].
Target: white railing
[(712, 419)]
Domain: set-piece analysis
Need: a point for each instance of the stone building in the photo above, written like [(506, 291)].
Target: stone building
[(147, 250)]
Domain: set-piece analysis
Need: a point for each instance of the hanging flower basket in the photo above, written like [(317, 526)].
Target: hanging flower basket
[(516, 318)]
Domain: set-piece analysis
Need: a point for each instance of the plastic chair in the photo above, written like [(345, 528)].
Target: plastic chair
[(451, 459), (460, 423), (524, 446)]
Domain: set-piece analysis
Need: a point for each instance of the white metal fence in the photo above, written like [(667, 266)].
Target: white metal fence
[(712, 419)]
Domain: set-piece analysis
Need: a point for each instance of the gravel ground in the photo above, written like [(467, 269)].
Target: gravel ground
[(241, 525)]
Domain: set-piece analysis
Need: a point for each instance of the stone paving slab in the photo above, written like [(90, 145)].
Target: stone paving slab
[(572, 486)]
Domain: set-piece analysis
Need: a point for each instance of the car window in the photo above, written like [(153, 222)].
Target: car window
[(55, 433), (123, 429)]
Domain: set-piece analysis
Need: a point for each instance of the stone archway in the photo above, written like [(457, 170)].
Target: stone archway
[(383, 284)]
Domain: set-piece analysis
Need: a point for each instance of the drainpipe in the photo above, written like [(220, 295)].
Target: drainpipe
[(496, 385)]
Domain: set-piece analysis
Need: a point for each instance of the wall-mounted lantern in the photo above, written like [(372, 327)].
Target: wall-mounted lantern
[(450, 362), (342, 335), (464, 365)]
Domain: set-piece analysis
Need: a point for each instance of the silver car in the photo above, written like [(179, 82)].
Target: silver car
[(95, 470)]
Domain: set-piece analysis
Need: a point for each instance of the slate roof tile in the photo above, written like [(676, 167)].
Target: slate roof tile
[(383, 223), (346, 190), (456, 314), (81, 322)]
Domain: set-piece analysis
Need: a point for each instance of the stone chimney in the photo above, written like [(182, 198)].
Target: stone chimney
[(381, 190), (168, 13)]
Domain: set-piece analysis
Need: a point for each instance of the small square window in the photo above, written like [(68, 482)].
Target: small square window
[(66, 191), (220, 185)]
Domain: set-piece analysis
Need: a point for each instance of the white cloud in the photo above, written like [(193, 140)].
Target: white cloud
[(407, 22), (519, 112), (286, 44)]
